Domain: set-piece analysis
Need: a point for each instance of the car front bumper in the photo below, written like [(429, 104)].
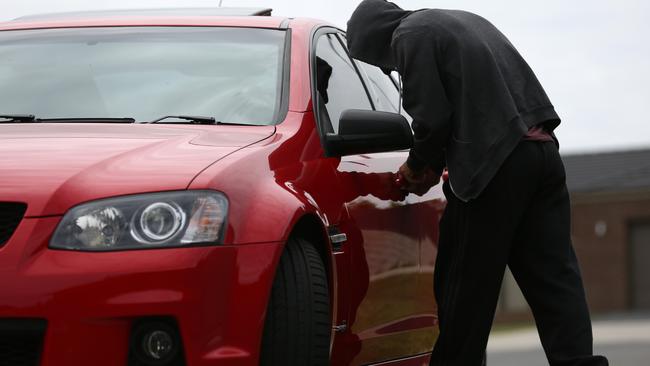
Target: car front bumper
[(217, 295)]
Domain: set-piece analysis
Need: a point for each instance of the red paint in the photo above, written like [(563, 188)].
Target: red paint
[(273, 177)]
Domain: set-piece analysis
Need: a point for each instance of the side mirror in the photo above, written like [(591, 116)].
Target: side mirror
[(366, 132)]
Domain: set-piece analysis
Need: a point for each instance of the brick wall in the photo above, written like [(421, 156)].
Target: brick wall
[(600, 225)]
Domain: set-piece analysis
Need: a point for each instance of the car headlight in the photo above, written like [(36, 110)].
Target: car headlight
[(157, 220)]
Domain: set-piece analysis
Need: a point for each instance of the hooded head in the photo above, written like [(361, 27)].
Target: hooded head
[(370, 31)]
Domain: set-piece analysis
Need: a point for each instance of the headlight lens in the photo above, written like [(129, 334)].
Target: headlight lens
[(155, 220), (158, 222)]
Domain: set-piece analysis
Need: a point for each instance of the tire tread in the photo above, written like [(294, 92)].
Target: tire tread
[(298, 325)]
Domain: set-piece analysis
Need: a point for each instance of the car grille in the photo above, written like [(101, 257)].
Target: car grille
[(21, 341), (10, 216)]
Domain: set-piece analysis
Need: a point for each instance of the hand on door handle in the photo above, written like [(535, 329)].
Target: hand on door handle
[(418, 183)]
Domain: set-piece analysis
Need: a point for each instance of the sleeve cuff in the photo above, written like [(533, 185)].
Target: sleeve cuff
[(415, 163)]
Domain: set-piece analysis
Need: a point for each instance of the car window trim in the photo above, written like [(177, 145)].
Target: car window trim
[(282, 109)]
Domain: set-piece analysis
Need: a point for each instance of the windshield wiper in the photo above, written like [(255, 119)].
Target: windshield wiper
[(192, 119), (87, 120), (200, 120), (12, 118), (30, 118)]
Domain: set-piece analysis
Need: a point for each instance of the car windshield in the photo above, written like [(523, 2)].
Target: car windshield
[(231, 74)]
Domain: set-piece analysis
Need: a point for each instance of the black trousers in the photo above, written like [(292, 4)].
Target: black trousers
[(521, 220)]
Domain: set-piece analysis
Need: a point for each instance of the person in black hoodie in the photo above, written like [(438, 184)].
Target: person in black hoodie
[(479, 110)]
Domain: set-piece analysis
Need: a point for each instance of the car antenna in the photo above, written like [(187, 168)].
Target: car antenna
[(220, 2)]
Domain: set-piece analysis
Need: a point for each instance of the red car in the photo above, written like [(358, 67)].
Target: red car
[(205, 187)]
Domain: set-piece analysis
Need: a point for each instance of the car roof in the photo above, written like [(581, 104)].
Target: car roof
[(160, 12), (227, 17)]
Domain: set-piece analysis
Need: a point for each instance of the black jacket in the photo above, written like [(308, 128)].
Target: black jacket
[(470, 93)]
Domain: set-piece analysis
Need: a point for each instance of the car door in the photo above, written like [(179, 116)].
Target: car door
[(383, 291), (426, 211)]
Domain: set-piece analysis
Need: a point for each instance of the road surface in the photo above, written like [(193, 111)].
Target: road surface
[(624, 340)]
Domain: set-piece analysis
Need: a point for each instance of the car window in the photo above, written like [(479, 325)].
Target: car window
[(385, 94), (337, 81), (383, 88), (232, 74)]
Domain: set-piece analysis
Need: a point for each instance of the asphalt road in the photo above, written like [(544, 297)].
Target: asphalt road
[(624, 340)]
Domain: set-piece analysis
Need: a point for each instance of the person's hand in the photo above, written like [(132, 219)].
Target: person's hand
[(387, 189), (417, 182)]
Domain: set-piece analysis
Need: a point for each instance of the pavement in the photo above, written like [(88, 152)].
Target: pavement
[(624, 339)]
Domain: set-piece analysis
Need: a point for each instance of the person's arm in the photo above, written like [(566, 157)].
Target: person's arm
[(425, 99)]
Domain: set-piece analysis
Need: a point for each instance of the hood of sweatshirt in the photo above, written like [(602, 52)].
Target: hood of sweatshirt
[(370, 32)]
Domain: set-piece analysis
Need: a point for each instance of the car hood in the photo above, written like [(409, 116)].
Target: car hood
[(53, 167)]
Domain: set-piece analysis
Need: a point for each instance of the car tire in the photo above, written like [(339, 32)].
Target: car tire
[(298, 325)]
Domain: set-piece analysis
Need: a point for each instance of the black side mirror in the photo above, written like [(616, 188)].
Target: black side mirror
[(366, 132)]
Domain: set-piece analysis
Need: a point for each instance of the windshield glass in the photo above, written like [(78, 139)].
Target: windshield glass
[(231, 74)]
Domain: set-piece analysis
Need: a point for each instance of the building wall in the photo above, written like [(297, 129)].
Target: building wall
[(600, 230), (600, 234)]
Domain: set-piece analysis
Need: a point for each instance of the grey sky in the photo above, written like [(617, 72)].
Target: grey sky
[(593, 56)]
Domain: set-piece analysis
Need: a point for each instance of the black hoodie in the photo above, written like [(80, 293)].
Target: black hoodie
[(470, 93)]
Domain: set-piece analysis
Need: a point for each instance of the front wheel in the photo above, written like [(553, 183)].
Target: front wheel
[(298, 324)]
